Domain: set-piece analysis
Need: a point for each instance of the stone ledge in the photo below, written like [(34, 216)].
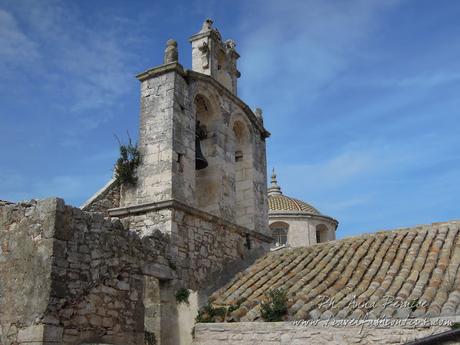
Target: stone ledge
[(286, 333), (289, 325), (177, 205), (299, 214), (162, 69), (158, 271)]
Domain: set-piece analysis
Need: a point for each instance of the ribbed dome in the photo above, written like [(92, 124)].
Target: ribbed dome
[(279, 202), (285, 203)]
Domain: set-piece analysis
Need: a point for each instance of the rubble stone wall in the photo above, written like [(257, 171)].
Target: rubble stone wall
[(70, 276)]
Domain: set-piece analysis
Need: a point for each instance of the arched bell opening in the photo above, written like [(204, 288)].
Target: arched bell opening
[(207, 174), (243, 169)]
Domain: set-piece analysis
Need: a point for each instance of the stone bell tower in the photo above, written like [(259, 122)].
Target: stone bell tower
[(201, 180), (188, 114)]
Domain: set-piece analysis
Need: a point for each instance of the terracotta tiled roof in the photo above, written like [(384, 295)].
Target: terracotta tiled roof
[(284, 203), (417, 264)]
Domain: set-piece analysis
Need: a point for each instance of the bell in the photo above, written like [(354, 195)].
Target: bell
[(200, 161)]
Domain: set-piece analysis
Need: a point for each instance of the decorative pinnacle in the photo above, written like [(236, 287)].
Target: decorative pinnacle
[(258, 113), (274, 188), (207, 25), (171, 52)]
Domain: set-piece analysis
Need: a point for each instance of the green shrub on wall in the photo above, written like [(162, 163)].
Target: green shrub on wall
[(276, 307), (125, 167), (209, 313), (149, 338), (182, 296)]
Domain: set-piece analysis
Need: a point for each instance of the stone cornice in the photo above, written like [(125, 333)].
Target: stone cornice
[(162, 69), (177, 205), (211, 33), (296, 214)]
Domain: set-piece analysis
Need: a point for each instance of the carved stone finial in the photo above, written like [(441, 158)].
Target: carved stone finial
[(230, 44), (258, 113), (274, 188), (207, 25), (171, 52)]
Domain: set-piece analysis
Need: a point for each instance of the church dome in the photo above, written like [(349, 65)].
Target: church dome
[(285, 203), (277, 202)]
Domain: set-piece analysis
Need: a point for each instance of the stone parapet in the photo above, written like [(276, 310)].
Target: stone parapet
[(287, 333)]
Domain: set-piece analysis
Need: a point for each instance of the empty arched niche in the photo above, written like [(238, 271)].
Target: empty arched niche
[(222, 73), (207, 180), (279, 231), (322, 233), (243, 167)]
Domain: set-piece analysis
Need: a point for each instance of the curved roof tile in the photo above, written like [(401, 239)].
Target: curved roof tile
[(358, 274), (285, 203)]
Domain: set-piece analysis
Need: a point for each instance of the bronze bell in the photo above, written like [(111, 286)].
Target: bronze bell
[(200, 161)]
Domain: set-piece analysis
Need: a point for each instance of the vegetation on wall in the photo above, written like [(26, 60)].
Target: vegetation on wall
[(182, 296), (125, 167), (276, 307), (209, 313), (149, 338)]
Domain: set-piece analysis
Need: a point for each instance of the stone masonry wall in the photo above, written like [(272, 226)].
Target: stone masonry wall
[(98, 278), (70, 276), (26, 246), (286, 333), (205, 250)]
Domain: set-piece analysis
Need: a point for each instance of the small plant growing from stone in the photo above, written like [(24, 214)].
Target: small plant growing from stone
[(209, 314), (236, 306), (149, 338), (125, 167), (276, 307), (182, 296)]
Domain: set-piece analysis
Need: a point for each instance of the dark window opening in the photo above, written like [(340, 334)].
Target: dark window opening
[(280, 236), (238, 156)]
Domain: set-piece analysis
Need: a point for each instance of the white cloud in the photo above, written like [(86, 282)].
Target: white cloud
[(296, 50), (332, 172), (15, 45), (85, 67)]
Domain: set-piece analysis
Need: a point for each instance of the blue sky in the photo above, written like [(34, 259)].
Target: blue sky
[(362, 97)]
